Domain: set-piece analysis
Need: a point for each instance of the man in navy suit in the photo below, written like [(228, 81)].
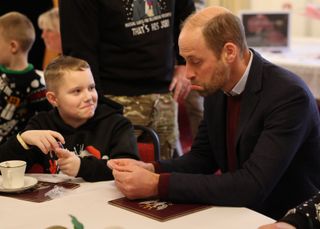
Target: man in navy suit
[(260, 128)]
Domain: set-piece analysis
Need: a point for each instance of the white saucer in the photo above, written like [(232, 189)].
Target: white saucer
[(29, 182)]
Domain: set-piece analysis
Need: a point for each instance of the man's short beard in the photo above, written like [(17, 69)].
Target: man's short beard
[(207, 92), (218, 80)]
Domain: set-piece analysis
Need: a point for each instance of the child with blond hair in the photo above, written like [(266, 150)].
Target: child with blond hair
[(90, 132), (22, 91)]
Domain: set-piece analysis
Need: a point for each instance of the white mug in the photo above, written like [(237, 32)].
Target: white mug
[(13, 173)]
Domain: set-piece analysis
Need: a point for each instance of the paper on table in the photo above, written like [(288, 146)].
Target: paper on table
[(52, 178)]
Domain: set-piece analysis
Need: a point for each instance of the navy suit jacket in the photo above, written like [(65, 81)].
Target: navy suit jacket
[(277, 146)]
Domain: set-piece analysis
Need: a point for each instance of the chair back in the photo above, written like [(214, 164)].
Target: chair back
[(148, 143)]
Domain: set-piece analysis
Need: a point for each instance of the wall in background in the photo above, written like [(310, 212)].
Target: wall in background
[(301, 25)]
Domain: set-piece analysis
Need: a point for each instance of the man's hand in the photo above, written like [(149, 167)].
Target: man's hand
[(45, 140), (135, 182), (119, 163), (68, 162), (180, 84), (279, 225)]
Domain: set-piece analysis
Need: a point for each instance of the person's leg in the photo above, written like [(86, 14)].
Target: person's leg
[(156, 111), (138, 109), (165, 122)]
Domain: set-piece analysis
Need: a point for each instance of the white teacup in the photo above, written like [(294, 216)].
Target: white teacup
[(13, 173)]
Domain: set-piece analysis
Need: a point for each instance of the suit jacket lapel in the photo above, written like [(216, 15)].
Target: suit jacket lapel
[(251, 95), (248, 104)]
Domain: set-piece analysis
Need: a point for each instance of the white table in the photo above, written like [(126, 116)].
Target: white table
[(89, 203), (303, 58)]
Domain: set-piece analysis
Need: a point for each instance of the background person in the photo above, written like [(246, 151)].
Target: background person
[(49, 23), (131, 47), (22, 91), (32, 10), (304, 216), (261, 128)]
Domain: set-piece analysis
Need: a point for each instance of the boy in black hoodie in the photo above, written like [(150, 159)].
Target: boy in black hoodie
[(90, 132)]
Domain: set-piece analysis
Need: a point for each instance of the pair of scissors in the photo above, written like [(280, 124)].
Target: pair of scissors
[(54, 166)]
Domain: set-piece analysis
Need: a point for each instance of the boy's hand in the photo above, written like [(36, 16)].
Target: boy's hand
[(68, 162), (45, 140)]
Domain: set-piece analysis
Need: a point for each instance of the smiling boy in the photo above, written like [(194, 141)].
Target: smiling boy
[(91, 132)]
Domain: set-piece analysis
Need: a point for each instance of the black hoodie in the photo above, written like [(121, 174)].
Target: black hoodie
[(107, 131)]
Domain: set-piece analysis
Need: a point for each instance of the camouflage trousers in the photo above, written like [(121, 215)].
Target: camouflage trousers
[(159, 111)]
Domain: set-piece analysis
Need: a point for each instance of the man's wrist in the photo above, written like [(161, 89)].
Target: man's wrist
[(297, 220), (163, 185), (155, 184)]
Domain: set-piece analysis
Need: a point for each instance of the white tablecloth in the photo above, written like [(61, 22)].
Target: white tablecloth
[(303, 58), (89, 203)]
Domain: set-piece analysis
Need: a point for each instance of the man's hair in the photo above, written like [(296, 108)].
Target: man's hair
[(50, 20), (224, 28), (16, 26), (58, 67)]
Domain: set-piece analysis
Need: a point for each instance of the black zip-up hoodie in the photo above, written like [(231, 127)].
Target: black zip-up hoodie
[(107, 131)]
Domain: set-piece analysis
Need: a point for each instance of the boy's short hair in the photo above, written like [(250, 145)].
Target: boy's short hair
[(57, 68), (18, 27), (50, 20)]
